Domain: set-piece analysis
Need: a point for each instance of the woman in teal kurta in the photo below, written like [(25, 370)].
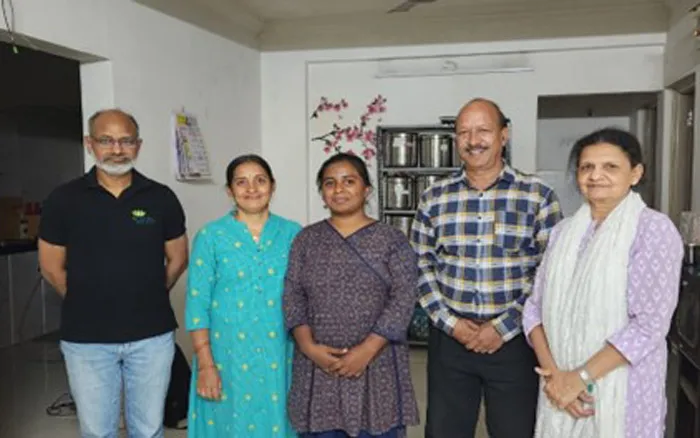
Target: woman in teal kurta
[(242, 363)]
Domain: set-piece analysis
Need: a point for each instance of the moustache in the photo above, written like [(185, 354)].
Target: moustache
[(117, 158)]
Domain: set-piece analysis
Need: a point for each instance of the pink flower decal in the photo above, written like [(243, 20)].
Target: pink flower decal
[(341, 138)]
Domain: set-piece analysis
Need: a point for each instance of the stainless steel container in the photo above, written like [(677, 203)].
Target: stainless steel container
[(399, 193), (425, 181), (400, 150), (456, 159), (435, 150), (403, 223)]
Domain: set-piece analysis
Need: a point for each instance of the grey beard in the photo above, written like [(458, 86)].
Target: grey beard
[(115, 169)]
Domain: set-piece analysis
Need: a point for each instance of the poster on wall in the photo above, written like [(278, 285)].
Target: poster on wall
[(191, 160), (338, 124)]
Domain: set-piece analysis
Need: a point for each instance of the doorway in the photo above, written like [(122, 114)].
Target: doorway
[(561, 120)]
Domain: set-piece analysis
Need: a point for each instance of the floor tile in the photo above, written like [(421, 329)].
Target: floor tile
[(35, 377)]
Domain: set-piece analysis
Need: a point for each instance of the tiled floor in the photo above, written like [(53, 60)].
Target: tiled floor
[(34, 377)]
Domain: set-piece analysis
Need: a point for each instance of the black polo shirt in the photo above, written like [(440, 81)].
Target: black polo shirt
[(115, 257)]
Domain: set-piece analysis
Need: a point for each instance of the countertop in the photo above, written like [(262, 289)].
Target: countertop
[(8, 247)]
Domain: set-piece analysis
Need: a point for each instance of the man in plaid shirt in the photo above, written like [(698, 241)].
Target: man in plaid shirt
[(479, 236)]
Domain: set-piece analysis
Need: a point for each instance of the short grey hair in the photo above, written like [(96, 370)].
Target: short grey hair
[(93, 118)]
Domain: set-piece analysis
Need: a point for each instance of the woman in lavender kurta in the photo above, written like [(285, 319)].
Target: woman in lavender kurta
[(349, 295), (580, 397)]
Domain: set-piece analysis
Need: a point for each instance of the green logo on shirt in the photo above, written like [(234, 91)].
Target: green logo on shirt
[(141, 217)]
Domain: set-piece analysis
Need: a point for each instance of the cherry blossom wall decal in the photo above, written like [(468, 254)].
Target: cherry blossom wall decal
[(359, 137)]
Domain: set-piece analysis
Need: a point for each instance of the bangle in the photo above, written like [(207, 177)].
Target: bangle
[(206, 367), (587, 380)]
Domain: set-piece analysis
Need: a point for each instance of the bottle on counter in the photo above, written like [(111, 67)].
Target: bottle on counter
[(23, 227), (29, 220)]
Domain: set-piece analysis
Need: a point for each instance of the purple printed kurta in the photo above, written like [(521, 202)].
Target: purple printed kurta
[(346, 288), (652, 293)]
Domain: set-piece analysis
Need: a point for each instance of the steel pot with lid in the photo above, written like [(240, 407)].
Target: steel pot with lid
[(399, 193), (425, 181), (400, 149), (435, 150), (401, 222)]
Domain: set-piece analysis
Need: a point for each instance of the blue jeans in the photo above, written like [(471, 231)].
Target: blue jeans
[(97, 373)]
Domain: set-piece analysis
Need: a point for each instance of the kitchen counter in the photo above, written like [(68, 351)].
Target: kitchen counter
[(17, 246)]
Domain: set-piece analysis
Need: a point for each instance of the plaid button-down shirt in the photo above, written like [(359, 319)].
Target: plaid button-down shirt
[(478, 250)]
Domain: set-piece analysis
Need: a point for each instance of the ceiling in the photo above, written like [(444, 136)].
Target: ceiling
[(318, 24)]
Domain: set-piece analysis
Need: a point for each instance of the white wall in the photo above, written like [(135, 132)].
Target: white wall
[(681, 55), (682, 59), (290, 81), (154, 65)]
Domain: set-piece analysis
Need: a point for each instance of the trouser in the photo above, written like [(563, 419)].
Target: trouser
[(98, 372), (457, 378)]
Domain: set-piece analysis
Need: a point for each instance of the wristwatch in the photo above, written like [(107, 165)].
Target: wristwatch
[(587, 380)]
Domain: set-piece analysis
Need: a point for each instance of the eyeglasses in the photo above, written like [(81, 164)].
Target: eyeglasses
[(109, 142)]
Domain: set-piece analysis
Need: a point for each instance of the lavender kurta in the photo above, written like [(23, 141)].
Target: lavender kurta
[(652, 293), (344, 298)]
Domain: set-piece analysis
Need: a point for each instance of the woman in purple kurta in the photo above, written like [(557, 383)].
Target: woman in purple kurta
[(607, 163), (349, 296), (652, 296)]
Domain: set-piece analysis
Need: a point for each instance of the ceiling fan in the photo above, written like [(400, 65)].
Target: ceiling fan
[(407, 5)]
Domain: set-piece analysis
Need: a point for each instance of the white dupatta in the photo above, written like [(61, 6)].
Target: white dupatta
[(584, 303)]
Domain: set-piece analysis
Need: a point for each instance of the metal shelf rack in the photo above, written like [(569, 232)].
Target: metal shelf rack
[(417, 335)]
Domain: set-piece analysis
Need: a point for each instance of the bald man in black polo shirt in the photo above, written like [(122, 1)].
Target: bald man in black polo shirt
[(113, 243)]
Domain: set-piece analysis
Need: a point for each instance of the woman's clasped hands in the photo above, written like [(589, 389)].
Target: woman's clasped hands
[(567, 391)]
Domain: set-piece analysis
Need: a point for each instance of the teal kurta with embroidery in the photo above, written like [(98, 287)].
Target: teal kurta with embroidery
[(235, 290)]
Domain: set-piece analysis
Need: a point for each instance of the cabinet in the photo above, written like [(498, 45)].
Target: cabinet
[(683, 419), (683, 371)]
